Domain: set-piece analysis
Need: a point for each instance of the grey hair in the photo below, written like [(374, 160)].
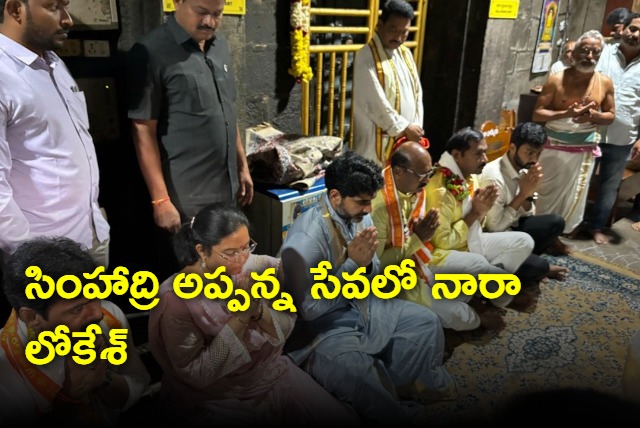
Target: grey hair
[(566, 45), (591, 34)]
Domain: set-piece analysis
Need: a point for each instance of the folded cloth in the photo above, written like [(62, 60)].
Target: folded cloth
[(290, 159)]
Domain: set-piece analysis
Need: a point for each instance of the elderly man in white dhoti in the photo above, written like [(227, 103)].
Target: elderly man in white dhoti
[(573, 105)]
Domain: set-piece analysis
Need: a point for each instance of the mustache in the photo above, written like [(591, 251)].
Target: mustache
[(586, 66), (205, 27)]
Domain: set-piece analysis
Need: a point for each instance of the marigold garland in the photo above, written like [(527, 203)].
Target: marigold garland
[(300, 40), (455, 184)]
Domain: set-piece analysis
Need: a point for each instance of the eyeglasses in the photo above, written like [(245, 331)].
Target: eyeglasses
[(234, 255), (421, 176), (587, 51)]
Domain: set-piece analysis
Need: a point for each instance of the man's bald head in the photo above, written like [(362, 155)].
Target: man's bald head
[(409, 153), (412, 167)]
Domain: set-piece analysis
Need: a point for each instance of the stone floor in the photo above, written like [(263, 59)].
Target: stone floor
[(623, 250)]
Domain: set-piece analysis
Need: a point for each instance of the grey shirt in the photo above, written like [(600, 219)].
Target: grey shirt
[(307, 243), (192, 95)]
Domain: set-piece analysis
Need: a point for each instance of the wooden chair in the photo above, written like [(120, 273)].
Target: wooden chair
[(498, 137)]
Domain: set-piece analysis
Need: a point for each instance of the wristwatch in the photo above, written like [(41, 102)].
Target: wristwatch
[(533, 197)]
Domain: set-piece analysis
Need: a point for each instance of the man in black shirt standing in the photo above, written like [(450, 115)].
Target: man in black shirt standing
[(182, 106)]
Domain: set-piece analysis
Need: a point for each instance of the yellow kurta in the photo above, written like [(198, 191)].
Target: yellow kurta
[(453, 231), (390, 255)]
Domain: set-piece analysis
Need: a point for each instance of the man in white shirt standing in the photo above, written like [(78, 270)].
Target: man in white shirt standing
[(387, 93), (49, 179), (622, 64)]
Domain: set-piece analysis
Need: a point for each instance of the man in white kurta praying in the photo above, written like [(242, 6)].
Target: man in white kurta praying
[(387, 93)]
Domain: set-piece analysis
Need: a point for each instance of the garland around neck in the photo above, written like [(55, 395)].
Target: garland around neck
[(454, 183)]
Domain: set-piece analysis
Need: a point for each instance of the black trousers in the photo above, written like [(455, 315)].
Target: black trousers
[(165, 263), (544, 229)]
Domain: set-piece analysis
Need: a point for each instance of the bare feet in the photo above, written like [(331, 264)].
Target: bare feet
[(599, 237), (492, 321), (557, 272), (636, 226), (558, 248)]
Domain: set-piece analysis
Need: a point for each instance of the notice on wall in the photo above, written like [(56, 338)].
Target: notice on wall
[(94, 14), (546, 31), (231, 7), (504, 9)]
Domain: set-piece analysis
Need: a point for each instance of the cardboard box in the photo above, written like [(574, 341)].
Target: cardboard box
[(273, 211)]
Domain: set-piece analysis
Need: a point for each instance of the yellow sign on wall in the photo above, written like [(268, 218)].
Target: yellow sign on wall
[(504, 9), (231, 7)]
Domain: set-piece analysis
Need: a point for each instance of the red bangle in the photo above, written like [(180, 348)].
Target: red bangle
[(159, 201)]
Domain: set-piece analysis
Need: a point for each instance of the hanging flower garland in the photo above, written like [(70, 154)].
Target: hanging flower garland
[(455, 184), (300, 40)]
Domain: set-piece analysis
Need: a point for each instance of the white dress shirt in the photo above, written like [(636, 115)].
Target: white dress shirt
[(48, 167), (501, 216), (626, 84)]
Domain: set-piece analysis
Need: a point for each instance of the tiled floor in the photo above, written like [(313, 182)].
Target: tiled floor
[(623, 250)]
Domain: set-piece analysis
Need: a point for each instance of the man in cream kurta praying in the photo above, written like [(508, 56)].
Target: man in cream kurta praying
[(387, 92)]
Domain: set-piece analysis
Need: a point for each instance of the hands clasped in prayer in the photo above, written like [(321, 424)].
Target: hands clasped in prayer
[(484, 199), (583, 112), (81, 379), (254, 313), (426, 228), (363, 247), (529, 182)]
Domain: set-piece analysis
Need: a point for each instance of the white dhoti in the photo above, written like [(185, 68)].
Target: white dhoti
[(567, 164), (565, 184)]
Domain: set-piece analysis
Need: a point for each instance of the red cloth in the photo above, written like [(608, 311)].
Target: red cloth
[(424, 142)]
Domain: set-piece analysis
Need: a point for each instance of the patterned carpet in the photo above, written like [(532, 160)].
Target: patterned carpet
[(575, 336)]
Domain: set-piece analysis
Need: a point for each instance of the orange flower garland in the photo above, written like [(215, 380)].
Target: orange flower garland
[(300, 40)]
